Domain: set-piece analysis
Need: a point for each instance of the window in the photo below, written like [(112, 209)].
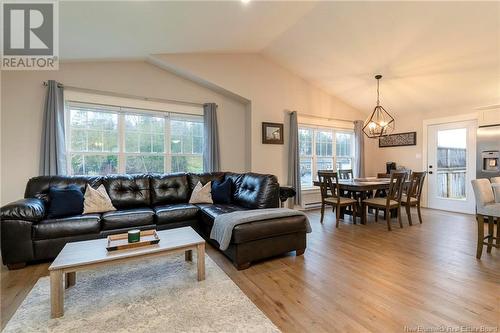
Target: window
[(322, 149), (144, 143), (186, 145), (93, 142), (344, 150), (107, 139)]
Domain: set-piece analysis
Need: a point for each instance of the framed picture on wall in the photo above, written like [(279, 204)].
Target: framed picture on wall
[(272, 133), (398, 140)]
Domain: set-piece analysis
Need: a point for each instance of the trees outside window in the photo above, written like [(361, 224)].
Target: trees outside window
[(106, 139), (324, 149)]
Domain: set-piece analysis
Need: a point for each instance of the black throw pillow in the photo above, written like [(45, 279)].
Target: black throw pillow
[(66, 201), (221, 191)]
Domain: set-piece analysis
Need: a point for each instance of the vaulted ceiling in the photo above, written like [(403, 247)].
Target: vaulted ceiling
[(434, 55)]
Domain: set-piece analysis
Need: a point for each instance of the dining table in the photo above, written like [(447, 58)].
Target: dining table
[(362, 187)]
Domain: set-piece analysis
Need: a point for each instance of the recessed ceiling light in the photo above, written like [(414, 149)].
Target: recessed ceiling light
[(245, 1)]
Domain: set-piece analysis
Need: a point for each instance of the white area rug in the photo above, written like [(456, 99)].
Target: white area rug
[(156, 295)]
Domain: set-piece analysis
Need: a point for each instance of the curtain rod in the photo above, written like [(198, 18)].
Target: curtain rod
[(322, 117), (115, 94)]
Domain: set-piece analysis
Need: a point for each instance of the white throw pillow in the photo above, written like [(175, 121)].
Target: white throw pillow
[(96, 201), (202, 194)]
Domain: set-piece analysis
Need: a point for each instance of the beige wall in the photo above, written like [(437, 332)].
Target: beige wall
[(23, 96), (411, 156), (271, 89)]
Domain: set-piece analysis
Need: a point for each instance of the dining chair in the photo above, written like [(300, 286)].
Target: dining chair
[(345, 174), (391, 201), (381, 193), (495, 183), (486, 209), (407, 171), (330, 195), (413, 194)]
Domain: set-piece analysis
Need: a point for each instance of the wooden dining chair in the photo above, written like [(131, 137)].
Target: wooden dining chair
[(330, 195), (495, 184), (392, 201), (345, 174), (413, 194)]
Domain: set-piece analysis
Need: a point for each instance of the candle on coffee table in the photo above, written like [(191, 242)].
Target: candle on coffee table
[(134, 236)]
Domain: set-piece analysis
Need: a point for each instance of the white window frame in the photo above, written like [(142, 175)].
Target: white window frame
[(314, 157), (352, 156), (122, 111)]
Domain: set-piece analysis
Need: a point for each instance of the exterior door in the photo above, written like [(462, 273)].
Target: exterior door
[(451, 166)]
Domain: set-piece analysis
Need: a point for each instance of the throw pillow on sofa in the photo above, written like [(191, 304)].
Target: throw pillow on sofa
[(202, 193), (97, 201), (66, 201), (221, 191)]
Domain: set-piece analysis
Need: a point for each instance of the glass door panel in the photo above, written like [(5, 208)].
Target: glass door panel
[(451, 158), (451, 163)]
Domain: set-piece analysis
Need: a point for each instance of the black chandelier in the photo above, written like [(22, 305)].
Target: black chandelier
[(380, 122)]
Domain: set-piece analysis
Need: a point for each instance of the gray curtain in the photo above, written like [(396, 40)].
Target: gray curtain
[(211, 152), (359, 148), (53, 148), (294, 158)]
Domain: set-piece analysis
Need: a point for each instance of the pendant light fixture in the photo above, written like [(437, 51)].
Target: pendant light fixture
[(380, 122)]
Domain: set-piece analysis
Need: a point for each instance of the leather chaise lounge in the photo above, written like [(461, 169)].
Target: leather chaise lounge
[(148, 201)]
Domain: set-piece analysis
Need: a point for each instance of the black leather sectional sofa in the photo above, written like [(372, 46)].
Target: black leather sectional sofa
[(148, 201)]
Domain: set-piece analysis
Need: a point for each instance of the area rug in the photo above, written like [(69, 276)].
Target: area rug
[(156, 295)]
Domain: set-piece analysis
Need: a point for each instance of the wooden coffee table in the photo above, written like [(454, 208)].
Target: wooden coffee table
[(79, 256)]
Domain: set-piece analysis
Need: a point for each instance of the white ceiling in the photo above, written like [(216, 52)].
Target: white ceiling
[(121, 29), (434, 55)]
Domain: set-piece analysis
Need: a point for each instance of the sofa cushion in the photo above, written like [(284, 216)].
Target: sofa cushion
[(128, 191), (65, 201), (127, 218), (255, 191), (203, 178), (169, 189), (216, 209), (97, 200), (222, 191), (175, 213), (67, 226), (38, 187), (268, 228), (202, 194)]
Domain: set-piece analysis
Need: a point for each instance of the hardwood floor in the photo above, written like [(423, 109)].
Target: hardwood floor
[(358, 278)]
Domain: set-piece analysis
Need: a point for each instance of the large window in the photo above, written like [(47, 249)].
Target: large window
[(107, 139), (324, 149)]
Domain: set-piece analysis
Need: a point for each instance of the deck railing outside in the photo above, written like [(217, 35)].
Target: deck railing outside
[(451, 172)]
